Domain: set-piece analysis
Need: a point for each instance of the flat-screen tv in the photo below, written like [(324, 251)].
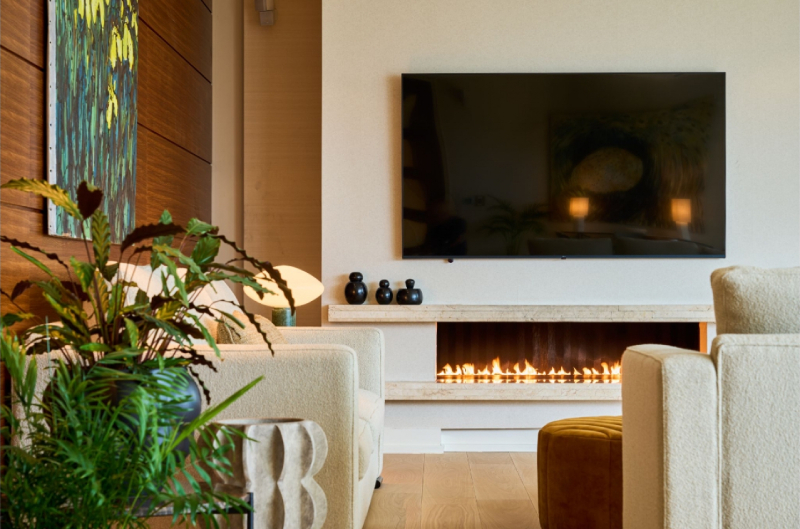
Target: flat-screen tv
[(563, 165)]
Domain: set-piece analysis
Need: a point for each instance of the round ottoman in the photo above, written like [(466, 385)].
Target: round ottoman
[(580, 474)]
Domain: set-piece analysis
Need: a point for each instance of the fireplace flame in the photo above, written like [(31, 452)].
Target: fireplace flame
[(467, 372)]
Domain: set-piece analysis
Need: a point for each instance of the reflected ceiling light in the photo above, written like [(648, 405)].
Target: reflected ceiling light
[(579, 210)]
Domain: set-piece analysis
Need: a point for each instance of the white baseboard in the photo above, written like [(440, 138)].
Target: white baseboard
[(412, 441), (436, 441), (523, 440)]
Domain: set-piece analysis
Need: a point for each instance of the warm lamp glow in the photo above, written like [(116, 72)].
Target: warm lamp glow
[(682, 210), (305, 288), (579, 207)]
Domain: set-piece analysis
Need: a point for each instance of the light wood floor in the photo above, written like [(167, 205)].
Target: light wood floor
[(456, 490)]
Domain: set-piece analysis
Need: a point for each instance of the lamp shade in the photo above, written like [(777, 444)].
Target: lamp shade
[(579, 207), (682, 210), (305, 288)]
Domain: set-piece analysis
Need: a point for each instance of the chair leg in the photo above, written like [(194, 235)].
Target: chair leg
[(378, 482)]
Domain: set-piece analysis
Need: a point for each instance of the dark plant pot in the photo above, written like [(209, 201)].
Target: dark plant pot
[(409, 295), (188, 409), (356, 291)]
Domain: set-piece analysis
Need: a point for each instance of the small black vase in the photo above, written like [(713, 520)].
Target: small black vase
[(409, 295), (356, 291), (384, 294)]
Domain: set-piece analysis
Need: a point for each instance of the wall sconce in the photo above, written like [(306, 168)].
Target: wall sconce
[(266, 12), (682, 215), (579, 210)]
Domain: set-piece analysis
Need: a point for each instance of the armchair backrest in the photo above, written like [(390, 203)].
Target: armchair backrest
[(757, 361), (749, 300)]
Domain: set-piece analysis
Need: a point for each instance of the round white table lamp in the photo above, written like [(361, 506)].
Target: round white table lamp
[(305, 289)]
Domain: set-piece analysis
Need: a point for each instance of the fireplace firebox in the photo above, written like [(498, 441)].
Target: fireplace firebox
[(548, 352)]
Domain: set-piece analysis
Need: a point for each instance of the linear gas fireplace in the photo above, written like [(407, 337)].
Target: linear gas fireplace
[(548, 352)]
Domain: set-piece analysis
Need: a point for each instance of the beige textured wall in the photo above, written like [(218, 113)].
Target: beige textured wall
[(282, 142), (227, 111), (367, 45)]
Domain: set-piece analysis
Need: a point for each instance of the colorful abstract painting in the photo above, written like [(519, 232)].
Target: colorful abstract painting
[(92, 92)]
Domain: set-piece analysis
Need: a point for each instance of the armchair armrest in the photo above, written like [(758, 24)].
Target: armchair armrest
[(316, 382), (670, 455), (367, 342)]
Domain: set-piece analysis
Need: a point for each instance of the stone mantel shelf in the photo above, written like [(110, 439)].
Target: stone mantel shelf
[(543, 313), (427, 391)]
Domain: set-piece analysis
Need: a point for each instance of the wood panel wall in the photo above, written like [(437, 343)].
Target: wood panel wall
[(174, 125), (283, 140)]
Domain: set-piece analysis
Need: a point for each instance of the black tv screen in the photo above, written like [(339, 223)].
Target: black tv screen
[(563, 165)]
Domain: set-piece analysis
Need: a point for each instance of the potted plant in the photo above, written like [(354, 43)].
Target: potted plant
[(112, 438)]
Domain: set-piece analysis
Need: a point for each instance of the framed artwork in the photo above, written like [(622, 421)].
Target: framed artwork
[(93, 60)]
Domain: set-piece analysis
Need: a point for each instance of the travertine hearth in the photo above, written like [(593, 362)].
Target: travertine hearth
[(576, 313)]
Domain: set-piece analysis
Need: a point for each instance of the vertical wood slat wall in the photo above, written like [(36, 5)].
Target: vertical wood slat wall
[(283, 141), (174, 132)]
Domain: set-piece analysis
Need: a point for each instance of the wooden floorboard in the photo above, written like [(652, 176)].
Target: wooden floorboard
[(456, 490)]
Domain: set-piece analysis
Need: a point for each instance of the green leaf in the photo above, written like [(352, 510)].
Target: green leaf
[(13, 318), (180, 256), (173, 271), (198, 227), (95, 347), (205, 251), (85, 273), (41, 266), (89, 199), (206, 334), (101, 239), (133, 332), (166, 217), (58, 196)]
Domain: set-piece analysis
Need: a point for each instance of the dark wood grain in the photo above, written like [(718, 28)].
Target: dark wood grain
[(22, 126), (22, 29), (185, 25), (170, 178), (209, 4), (174, 99)]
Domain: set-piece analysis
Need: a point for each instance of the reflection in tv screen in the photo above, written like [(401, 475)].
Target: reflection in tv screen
[(554, 165)]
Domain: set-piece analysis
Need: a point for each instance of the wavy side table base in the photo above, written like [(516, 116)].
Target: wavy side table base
[(278, 466)]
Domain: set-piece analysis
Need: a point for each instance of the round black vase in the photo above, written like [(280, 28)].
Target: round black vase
[(356, 291), (409, 295), (384, 294), (186, 399)]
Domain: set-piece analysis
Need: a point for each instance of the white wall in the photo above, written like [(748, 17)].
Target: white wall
[(368, 44)]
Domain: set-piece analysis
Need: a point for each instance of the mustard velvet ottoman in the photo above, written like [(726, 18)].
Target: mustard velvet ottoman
[(580, 474)]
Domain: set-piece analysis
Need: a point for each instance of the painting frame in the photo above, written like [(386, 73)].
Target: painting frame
[(92, 108)]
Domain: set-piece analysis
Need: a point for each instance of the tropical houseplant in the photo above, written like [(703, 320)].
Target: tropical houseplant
[(83, 453)]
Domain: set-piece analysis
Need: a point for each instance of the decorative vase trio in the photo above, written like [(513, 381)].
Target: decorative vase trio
[(356, 292)]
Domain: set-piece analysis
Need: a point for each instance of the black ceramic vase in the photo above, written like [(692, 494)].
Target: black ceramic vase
[(356, 291), (409, 295), (187, 397), (384, 294)]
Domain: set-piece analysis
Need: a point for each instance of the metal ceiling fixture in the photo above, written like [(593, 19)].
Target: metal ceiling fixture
[(266, 11)]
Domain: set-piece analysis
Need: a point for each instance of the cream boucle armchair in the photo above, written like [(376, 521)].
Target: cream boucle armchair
[(332, 376), (711, 441)]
